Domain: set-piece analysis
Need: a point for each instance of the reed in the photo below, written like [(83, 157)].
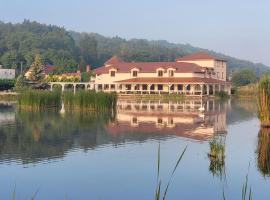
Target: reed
[(264, 101), (39, 99), (89, 101), (217, 157), (158, 194), (263, 151)]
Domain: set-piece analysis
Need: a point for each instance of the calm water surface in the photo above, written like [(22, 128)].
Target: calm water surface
[(75, 156)]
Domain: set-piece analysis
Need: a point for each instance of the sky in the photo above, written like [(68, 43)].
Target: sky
[(238, 28)]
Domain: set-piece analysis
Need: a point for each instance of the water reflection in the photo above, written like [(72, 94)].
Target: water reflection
[(27, 137), (195, 119), (216, 157), (263, 151)]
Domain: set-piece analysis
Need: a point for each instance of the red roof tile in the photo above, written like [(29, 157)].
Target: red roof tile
[(113, 60), (125, 67), (198, 56), (48, 69), (170, 80)]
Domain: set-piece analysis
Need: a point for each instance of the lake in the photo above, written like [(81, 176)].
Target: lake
[(114, 156)]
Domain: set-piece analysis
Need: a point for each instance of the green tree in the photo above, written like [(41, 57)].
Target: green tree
[(88, 49), (36, 75), (243, 77)]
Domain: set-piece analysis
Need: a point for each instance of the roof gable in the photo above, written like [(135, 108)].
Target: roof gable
[(113, 60), (198, 56)]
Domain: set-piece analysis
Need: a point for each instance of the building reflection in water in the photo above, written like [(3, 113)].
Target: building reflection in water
[(195, 119), (42, 136)]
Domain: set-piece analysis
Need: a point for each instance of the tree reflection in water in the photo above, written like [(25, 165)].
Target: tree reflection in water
[(263, 151), (39, 136)]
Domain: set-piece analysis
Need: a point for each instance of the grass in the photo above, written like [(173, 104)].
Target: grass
[(263, 100), (263, 151), (221, 95), (250, 90), (89, 101), (217, 157), (81, 101), (39, 99), (158, 194)]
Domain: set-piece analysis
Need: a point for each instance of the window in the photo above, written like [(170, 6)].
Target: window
[(112, 73), (217, 74), (160, 87), (180, 87), (112, 87), (134, 73), (222, 75), (171, 73), (134, 120), (160, 73)]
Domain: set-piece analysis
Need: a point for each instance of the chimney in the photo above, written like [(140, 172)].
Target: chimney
[(88, 68)]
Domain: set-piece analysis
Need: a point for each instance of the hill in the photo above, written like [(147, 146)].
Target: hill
[(57, 46)]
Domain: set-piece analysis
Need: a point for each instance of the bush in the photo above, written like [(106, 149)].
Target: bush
[(7, 84)]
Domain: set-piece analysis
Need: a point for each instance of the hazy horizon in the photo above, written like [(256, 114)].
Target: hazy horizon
[(238, 29)]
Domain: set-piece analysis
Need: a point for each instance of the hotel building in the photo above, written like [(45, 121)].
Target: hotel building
[(197, 74)]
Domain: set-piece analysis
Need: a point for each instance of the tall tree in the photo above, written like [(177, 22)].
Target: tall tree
[(88, 48), (36, 76)]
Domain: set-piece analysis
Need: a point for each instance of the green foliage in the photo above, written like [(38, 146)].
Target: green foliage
[(86, 76), (243, 77), (6, 84), (89, 101), (221, 95), (217, 157), (39, 99), (36, 78), (22, 41)]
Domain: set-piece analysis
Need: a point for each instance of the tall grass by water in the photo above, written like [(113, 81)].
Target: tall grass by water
[(158, 194), (264, 101), (263, 151), (217, 157), (39, 99), (81, 101), (89, 101)]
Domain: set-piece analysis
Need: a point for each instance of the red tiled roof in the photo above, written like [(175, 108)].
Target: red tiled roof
[(125, 67), (170, 80), (48, 69), (113, 60), (198, 56)]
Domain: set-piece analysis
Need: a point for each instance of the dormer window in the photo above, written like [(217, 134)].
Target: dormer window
[(112, 73), (160, 73), (171, 73), (134, 73)]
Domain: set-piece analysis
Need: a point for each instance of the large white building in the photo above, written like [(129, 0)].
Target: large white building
[(196, 74), (7, 73)]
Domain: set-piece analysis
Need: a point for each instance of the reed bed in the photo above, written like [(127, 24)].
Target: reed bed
[(263, 151), (39, 99), (217, 157), (264, 101), (89, 101)]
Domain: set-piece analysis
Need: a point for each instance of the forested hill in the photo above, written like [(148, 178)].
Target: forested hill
[(57, 46)]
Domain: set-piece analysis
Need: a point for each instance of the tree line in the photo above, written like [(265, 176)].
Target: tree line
[(69, 50)]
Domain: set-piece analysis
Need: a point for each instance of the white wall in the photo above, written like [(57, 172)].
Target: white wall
[(7, 73)]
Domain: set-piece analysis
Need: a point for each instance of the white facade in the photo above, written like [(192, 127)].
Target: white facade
[(7, 73)]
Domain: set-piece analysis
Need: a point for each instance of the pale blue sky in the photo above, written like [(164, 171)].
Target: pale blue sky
[(238, 28)]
